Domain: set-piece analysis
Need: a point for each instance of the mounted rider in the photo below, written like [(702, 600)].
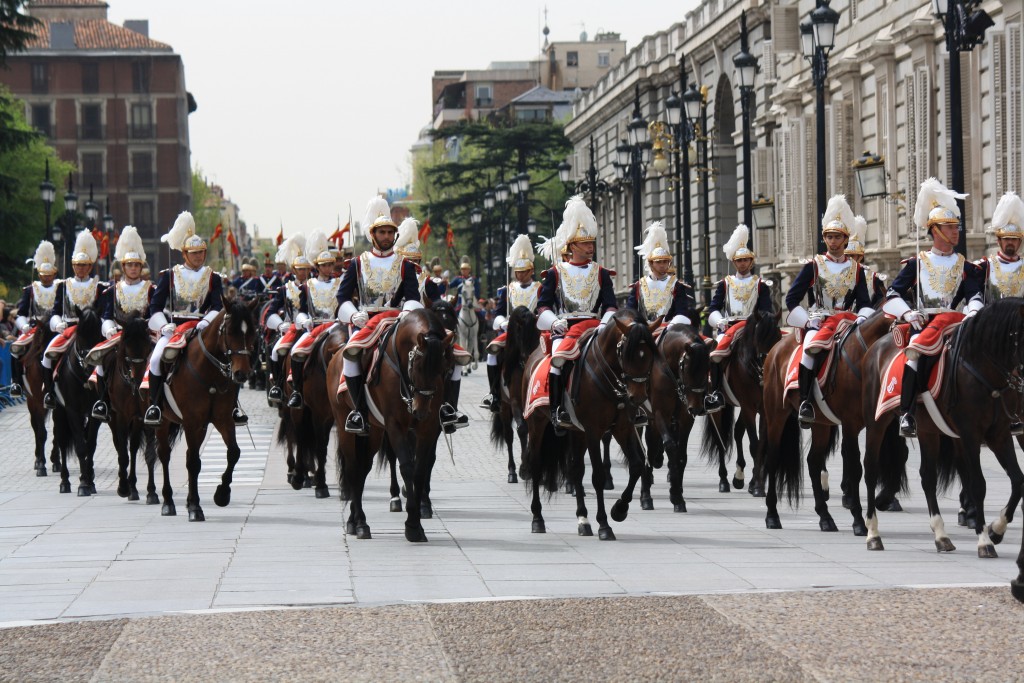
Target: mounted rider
[(285, 305), (381, 281), (836, 289), (34, 309), (318, 309), (855, 251), (188, 296), (269, 280), (658, 294), (407, 245), (1002, 273), (439, 276), (940, 279), (465, 286), (576, 295), (524, 291), (128, 298), (736, 298), (73, 295)]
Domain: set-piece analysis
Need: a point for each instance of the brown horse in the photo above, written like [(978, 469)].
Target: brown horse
[(842, 398), (34, 390), (981, 396), (521, 340), (123, 370), (203, 390), (613, 373), (404, 396)]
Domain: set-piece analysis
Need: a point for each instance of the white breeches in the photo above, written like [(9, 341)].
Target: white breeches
[(556, 343), (300, 340), (277, 347), (99, 371), (351, 368), (456, 375), (158, 354), (807, 359), (492, 359)]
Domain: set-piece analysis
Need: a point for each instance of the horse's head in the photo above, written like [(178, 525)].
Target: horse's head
[(766, 332), (237, 338), (429, 357), (135, 347), (634, 352), (446, 312), (88, 333), (692, 370)]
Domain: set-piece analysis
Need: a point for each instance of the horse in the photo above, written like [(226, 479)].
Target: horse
[(982, 395), (613, 371), (742, 378), (521, 339), (203, 390), (73, 425), (469, 326), (841, 396), (404, 395), (34, 390), (124, 370)]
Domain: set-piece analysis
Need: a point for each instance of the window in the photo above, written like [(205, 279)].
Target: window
[(142, 169), (40, 78), (604, 59), (41, 119), (143, 215), (532, 114), (142, 122), (484, 96), (90, 78), (572, 58), (140, 77), (92, 122), (92, 170)]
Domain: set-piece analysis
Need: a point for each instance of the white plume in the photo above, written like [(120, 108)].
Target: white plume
[(521, 249), (838, 209), (860, 226), (44, 254), (932, 194), (656, 236), (316, 244), (129, 241), (738, 239), (550, 248), (408, 235), (290, 249), (577, 218), (184, 225), (377, 207), (85, 242), (1009, 211)]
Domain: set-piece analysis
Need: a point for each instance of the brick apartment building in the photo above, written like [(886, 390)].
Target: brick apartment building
[(112, 101)]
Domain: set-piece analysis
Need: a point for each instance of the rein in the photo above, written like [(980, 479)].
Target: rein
[(223, 367), (617, 385), (406, 388)]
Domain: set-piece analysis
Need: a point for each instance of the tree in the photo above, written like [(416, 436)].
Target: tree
[(23, 156), (16, 29)]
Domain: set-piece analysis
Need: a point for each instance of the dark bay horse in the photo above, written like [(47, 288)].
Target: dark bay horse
[(981, 396), (123, 370), (613, 372), (521, 340), (203, 390), (404, 396), (73, 425), (842, 396), (34, 390)]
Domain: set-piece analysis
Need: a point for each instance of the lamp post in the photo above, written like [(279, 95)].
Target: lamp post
[(68, 231), (965, 27), (501, 194), (475, 217), (746, 69), (632, 159), (108, 227), (47, 192), (696, 105), (591, 183), (683, 134), (817, 38)]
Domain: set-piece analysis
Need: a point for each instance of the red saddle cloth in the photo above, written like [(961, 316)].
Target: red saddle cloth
[(62, 341), (831, 329), (793, 373), (20, 345), (569, 349), (180, 337), (892, 383), (368, 336), (538, 395), (724, 347), (306, 344), (98, 352), (289, 337), (497, 343)]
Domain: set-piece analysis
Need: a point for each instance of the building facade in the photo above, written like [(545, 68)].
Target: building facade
[(572, 65), (112, 101)]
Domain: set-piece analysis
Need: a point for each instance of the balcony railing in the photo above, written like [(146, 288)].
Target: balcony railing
[(90, 131), (484, 102), (141, 180), (141, 131)]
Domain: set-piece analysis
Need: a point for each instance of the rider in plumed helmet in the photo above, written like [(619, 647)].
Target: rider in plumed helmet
[(285, 305), (659, 294), (34, 309), (855, 250), (1003, 272), (407, 245)]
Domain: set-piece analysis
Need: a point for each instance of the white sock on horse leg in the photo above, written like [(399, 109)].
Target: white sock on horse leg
[(351, 368), (46, 363), (492, 359), (912, 364), (99, 371)]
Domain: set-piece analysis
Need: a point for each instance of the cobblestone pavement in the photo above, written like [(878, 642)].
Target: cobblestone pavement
[(99, 588)]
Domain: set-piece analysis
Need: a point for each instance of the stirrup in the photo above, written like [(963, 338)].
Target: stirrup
[(806, 414), (560, 418), (295, 400), (908, 426), (99, 411), (355, 424), (487, 401), (16, 391), (713, 402), (48, 401), (1016, 428), (640, 419), (275, 395), (153, 416), (240, 418)]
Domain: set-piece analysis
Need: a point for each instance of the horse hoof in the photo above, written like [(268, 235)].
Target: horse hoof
[(426, 511), (1017, 589), (994, 537), (65, 487), (84, 491), (961, 518), (134, 495), (860, 529), (827, 524), (40, 470), (646, 503), (584, 530), (723, 486), (396, 505), (296, 482), (416, 535), (737, 484), (893, 506), (350, 528), (757, 491), (152, 499), (123, 490), (537, 527), (56, 467), (323, 492), (92, 489), (847, 501), (619, 510), (875, 544), (609, 485), (168, 510), (606, 534), (772, 522), (307, 483), (512, 478), (679, 507), (944, 545), (196, 515), (363, 532), (222, 496), (987, 552)]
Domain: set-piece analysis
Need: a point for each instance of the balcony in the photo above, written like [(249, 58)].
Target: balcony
[(97, 181), (90, 131), (141, 131), (141, 180), (484, 103)]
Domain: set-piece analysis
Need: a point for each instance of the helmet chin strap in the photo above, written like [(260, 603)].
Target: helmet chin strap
[(937, 235)]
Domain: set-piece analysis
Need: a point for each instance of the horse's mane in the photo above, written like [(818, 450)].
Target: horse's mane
[(996, 331), (88, 330), (135, 334), (636, 335), (523, 337), (433, 355), (766, 331), (446, 312)]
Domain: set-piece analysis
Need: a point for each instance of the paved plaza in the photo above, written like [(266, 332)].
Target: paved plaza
[(270, 587)]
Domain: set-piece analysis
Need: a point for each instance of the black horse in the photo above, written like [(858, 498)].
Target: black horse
[(521, 339)]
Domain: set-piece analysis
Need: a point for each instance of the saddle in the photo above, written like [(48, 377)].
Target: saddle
[(892, 382)]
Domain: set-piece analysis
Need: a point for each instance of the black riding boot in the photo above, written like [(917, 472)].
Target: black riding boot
[(49, 397), (805, 380), (493, 400), (239, 416), (17, 371), (559, 418), (451, 418), (908, 401), (295, 400), (156, 394), (276, 393), (99, 408), (714, 401), (355, 423)]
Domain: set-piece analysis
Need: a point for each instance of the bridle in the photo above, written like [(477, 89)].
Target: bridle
[(224, 367), (406, 387), (617, 382)]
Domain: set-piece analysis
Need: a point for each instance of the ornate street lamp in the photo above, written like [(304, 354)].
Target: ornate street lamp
[(47, 192), (764, 213), (746, 69)]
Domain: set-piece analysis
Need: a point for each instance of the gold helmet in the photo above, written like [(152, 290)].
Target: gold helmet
[(407, 244), (129, 247), (1008, 218), (45, 259), (578, 222), (736, 248), (936, 205), (86, 251), (838, 216), (655, 247), (182, 235), (317, 251), (520, 254)]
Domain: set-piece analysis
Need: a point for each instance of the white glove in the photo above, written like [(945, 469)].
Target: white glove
[(360, 318), (168, 329), (859, 320), (559, 327), (814, 324), (723, 326), (60, 327), (916, 319), (283, 328), (971, 312), (202, 324), (308, 324), (504, 325)]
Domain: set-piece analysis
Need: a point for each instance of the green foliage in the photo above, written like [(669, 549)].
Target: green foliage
[(16, 29), (205, 204), (23, 156)]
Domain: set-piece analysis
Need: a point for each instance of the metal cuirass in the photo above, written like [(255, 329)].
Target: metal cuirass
[(522, 296), (293, 297), (578, 289), (741, 296), (322, 299), (831, 287), (938, 279), (130, 300), (188, 291), (1004, 280), (43, 299), (77, 296), (655, 302), (378, 285)]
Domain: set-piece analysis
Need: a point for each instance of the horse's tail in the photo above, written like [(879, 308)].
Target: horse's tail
[(554, 455), (945, 466), (497, 430), (783, 461), (716, 440), (892, 466), (173, 434), (284, 428), (521, 339), (305, 444), (833, 441)]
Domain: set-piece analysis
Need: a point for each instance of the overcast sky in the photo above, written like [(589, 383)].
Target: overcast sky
[(308, 106)]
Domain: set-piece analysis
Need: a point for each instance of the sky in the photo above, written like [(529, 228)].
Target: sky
[(306, 107)]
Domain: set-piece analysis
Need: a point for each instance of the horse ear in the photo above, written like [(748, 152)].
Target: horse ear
[(449, 338), (623, 327), (653, 327), (421, 339)]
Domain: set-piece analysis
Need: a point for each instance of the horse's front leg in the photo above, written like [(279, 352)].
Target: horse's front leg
[(630, 445), (576, 471), (677, 459), (853, 472), (757, 433), (323, 436), (396, 490), (405, 452), (820, 437), (193, 464), (975, 483), (1017, 585), (222, 496), (125, 458), (162, 439), (134, 443), (149, 442), (1007, 457)]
